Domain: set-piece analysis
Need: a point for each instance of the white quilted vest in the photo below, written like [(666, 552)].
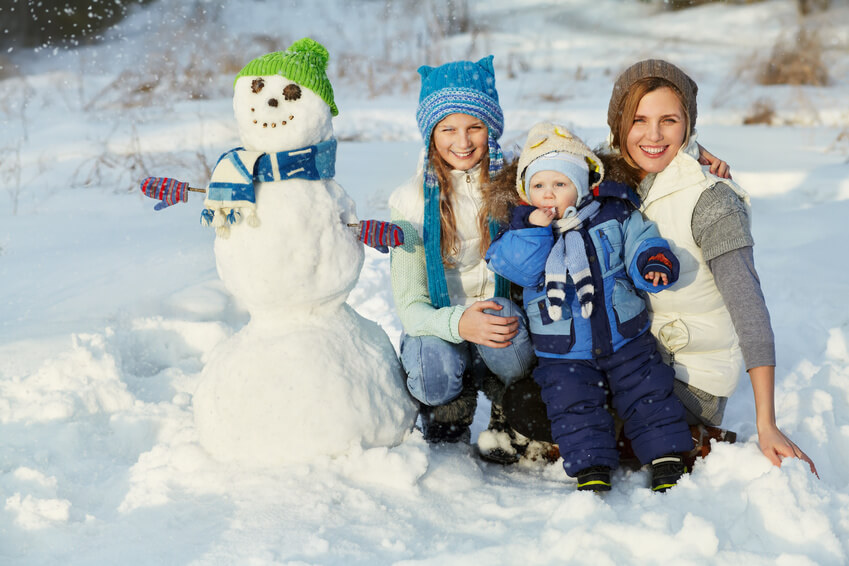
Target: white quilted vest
[(690, 320)]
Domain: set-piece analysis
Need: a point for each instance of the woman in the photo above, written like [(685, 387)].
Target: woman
[(715, 320)]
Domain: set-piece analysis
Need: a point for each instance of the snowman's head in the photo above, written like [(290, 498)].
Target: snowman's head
[(283, 100)]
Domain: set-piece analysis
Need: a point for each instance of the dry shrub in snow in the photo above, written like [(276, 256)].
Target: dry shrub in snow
[(808, 6), (681, 4), (762, 112), (796, 61)]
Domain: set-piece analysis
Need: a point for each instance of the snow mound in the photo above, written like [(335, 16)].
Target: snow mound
[(305, 396)]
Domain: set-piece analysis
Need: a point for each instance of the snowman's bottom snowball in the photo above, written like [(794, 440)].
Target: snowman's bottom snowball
[(287, 393)]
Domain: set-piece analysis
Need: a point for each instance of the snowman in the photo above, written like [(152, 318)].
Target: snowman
[(307, 376)]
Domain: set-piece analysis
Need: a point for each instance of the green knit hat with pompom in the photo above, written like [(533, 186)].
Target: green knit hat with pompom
[(304, 62)]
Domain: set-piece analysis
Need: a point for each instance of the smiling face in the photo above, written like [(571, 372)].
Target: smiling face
[(461, 140), (276, 114), (552, 190), (658, 130)]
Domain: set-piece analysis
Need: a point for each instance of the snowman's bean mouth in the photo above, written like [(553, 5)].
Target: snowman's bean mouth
[(274, 124)]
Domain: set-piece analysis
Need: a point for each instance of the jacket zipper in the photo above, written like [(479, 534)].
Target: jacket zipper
[(486, 272), (608, 248)]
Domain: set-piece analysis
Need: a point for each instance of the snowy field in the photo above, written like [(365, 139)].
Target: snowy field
[(109, 310)]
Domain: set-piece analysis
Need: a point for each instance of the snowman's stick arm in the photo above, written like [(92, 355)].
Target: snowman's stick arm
[(167, 190)]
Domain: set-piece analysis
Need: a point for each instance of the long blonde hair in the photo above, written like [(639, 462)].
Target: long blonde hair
[(449, 238)]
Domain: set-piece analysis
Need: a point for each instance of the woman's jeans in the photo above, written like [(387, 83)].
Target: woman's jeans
[(435, 368)]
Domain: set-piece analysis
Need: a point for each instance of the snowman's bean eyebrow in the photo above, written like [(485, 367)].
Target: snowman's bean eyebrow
[(256, 85)]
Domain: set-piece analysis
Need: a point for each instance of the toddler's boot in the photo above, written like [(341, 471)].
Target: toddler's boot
[(666, 471), (594, 478)]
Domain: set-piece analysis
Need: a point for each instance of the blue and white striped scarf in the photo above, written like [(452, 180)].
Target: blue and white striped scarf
[(231, 193)]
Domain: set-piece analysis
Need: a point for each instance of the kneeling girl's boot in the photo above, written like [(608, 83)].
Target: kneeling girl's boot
[(498, 443), (666, 471), (450, 422)]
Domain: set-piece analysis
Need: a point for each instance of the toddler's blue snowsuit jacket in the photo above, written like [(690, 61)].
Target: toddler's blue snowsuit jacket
[(580, 358)]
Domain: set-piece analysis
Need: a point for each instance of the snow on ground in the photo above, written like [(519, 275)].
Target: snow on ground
[(110, 310)]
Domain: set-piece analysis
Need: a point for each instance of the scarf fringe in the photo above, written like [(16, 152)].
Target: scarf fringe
[(222, 218)]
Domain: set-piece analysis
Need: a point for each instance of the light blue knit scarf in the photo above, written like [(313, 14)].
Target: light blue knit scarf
[(568, 257), (432, 232)]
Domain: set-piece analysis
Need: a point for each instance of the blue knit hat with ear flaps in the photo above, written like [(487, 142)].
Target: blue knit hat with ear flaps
[(459, 87)]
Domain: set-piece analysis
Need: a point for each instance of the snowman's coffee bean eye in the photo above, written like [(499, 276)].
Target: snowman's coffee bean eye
[(256, 85), (292, 92)]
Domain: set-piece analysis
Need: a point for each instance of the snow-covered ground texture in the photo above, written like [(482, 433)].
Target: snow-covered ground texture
[(111, 310)]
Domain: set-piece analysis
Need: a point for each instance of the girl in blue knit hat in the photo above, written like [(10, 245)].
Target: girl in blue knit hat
[(461, 331)]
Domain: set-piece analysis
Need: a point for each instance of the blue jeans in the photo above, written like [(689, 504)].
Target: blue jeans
[(435, 368)]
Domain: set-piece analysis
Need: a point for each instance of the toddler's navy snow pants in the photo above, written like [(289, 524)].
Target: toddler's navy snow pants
[(639, 385)]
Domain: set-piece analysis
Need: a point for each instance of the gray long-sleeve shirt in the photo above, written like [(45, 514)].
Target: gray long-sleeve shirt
[(721, 229)]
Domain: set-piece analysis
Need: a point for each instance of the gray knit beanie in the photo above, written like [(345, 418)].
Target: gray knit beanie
[(651, 68)]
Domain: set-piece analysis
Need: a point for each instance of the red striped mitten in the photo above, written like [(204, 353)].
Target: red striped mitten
[(380, 235), (168, 191)]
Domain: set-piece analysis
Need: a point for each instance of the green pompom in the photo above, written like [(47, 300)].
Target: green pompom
[(311, 45)]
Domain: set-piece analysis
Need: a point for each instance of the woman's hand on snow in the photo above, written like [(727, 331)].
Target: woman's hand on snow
[(776, 446), (485, 329)]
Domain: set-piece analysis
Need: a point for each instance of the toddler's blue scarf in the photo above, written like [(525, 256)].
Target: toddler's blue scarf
[(568, 258)]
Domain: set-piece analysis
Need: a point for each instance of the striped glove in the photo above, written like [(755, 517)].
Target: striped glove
[(379, 235), (168, 191)]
